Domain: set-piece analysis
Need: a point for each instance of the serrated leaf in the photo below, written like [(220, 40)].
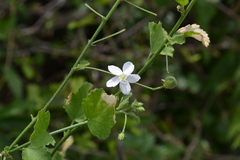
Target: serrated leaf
[(157, 36), (168, 50), (177, 38), (100, 115), (42, 139), (35, 153), (82, 65), (73, 106), (182, 2), (41, 125)]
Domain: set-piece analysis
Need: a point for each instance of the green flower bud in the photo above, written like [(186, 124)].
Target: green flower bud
[(140, 109), (170, 82), (121, 136)]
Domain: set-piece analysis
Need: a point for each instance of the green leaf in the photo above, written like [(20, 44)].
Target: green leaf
[(168, 50), (82, 65), (100, 115), (40, 137), (28, 70), (124, 103), (14, 81), (35, 153), (6, 24), (43, 139), (182, 2), (73, 105), (190, 33), (42, 122), (134, 116), (177, 38), (157, 36)]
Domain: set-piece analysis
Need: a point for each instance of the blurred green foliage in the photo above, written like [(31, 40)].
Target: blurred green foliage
[(198, 120)]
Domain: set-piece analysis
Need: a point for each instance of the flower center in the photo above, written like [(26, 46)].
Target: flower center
[(122, 77)]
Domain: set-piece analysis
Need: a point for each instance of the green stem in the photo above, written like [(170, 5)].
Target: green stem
[(69, 127), (125, 123), (100, 70), (102, 24), (174, 29), (51, 133), (22, 133), (84, 51), (153, 89), (68, 134), (94, 11), (147, 11), (114, 34)]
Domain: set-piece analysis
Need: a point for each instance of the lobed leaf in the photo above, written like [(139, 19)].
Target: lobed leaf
[(36, 153), (101, 115), (168, 50), (177, 38), (157, 36), (73, 105), (39, 136), (41, 125), (42, 139)]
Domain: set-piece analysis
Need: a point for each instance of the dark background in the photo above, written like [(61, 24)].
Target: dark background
[(197, 120)]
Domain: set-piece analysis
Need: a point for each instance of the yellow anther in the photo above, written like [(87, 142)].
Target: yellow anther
[(122, 76)]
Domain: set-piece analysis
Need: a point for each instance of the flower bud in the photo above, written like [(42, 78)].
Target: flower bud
[(170, 82), (140, 109), (121, 136)]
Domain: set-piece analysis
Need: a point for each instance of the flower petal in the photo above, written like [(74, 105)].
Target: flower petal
[(196, 32), (125, 87), (133, 78), (128, 68), (115, 70), (113, 81)]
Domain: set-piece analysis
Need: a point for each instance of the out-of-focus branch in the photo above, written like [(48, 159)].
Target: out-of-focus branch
[(166, 137), (11, 35), (228, 11), (47, 12), (192, 145)]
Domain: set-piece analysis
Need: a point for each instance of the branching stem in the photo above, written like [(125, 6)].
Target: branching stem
[(174, 29), (90, 42)]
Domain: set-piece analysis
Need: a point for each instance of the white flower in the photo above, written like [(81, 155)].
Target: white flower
[(194, 30), (124, 77)]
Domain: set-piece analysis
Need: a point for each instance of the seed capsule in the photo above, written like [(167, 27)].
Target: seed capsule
[(170, 82)]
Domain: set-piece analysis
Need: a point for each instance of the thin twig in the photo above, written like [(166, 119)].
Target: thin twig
[(192, 145)]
